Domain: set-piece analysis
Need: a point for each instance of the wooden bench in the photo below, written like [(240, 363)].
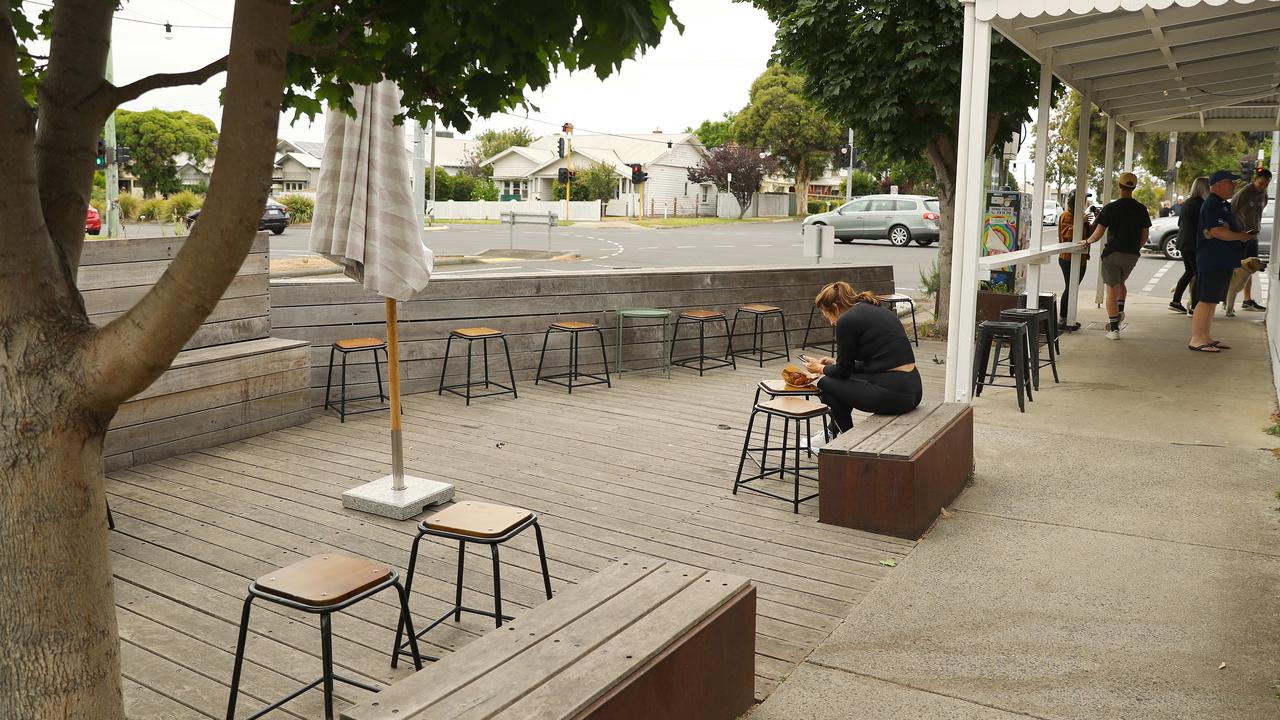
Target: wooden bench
[(891, 474), (641, 639)]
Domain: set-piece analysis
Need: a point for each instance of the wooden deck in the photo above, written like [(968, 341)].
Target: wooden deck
[(646, 466)]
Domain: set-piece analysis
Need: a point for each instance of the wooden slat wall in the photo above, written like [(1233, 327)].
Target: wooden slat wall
[(231, 381), (322, 311)]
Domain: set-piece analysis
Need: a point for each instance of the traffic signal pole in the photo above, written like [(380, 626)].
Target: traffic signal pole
[(112, 220), (568, 178)]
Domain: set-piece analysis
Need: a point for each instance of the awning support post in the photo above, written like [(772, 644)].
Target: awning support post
[(1082, 183), (1039, 191)]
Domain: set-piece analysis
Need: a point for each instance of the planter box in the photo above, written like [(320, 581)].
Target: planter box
[(990, 304)]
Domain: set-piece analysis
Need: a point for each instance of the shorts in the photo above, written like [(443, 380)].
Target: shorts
[(1211, 285), (1116, 267), (1251, 248)]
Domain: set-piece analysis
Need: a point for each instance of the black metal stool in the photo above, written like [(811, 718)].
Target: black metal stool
[(347, 347), (776, 389), (483, 334), (894, 300), (996, 332), (323, 584), (705, 361), (574, 328), (1039, 326), (758, 351), (791, 410), (1048, 301), (472, 522), (809, 326)]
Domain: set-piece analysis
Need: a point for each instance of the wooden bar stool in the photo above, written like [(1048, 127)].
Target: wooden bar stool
[(704, 361), (791, 410), (472, 522), (483, 334), (574, 328), (776, 389), (347, 347), (323, 585), (809, 326), (892, 301), (758, 351)]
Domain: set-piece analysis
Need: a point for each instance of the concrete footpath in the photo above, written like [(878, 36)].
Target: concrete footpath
[(1118, 555)]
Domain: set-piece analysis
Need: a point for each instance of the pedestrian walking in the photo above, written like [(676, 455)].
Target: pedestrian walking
[(1126, 223), (1066, 223), (1188, 234), (1218, 253), (1248, 204)]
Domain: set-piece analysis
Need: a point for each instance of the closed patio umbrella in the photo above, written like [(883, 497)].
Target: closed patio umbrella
[(366, 222)]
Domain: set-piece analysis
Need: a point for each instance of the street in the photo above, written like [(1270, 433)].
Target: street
[(730, 244)]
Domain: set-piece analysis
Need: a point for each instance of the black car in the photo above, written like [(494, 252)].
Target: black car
[(275, 217)]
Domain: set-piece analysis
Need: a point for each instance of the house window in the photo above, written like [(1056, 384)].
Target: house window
[(294, 186), (515, 187)]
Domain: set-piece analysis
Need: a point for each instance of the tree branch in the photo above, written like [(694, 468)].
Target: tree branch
[(123, 94), (133, 350)]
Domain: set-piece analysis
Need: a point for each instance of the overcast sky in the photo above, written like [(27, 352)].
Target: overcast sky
[(688, 78)]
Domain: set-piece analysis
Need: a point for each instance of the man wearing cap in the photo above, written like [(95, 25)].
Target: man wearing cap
[(1125, 222), (1218, 253), (1248, 204)]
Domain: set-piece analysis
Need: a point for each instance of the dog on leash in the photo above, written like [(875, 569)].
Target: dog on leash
[(1239, 277)]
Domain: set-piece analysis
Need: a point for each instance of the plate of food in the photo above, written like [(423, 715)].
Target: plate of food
[(798, 377)]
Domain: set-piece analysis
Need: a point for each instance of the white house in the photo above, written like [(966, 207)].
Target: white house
[(529, 172), (297, 164)]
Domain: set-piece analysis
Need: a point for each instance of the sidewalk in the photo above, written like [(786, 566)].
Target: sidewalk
[(1120, 543)]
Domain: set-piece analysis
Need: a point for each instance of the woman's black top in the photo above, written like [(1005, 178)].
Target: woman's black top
[(869, 339), (1189, 225)]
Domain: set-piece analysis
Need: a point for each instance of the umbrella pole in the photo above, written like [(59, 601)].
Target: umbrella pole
[(393, 372)]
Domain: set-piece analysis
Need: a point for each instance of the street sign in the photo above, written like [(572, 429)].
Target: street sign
[(893, 189)]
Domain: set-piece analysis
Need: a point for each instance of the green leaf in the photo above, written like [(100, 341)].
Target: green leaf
[(889, 563)]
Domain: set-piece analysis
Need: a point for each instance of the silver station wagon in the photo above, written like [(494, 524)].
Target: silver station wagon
[(900, 219)]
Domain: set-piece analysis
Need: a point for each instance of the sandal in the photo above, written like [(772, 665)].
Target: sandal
[(1219, 344), (1206, 348)]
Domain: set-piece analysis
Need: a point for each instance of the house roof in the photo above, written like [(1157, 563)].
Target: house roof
[(618, 151), (307, 160), (451, 152)]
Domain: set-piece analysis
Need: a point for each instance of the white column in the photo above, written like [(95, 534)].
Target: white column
[(1128, 150), (953, 387), (1109, 161), (977, 72), (1275, 237), (1082, 186), (1038, 188)]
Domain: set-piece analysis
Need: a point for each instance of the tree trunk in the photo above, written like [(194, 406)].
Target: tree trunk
[(802, 187)]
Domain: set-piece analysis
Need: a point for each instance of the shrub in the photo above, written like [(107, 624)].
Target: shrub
[(155, 210), (129, 205), (182, 203), (100, 205), (485, 190), (930, 283), (200, 188), (817, 206), (301, 208)]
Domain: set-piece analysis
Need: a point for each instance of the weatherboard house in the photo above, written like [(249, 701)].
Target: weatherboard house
[(529, 172)]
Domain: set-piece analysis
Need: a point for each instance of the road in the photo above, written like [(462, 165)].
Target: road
[(736, 244)]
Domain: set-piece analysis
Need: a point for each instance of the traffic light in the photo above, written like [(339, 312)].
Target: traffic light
[(123, 155), (100, 161), (638, 175), (562, 176), (560, 147)]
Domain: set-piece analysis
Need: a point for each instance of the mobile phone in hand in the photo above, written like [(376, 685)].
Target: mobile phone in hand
[(805, 358)]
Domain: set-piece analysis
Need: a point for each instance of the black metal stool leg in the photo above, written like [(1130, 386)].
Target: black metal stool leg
[(408, 589), (675, 335), (497, 585), (444, 367), (408, 623), (239, 661), (111, 520), (457, 595), (326, 663), (542, 557), (728, 342), (797, 466), (541, 356), (573, 359), (342, 404), (485, 347), (510, 370), (786, 346), (915, 328), (746, 443), (468, 387), (328, 378), (377, 370), (702, 346), (608, 382)]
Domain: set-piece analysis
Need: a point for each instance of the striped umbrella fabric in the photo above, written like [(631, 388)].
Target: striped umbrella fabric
[(365, 219)]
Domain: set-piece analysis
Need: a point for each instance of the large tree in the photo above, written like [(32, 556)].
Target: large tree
[(62, 378), (781, 119), (156, 137), (891, 71), (715, 133), (736, 170)]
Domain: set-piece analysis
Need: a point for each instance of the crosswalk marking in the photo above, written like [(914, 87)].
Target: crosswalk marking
[(1156, 277)]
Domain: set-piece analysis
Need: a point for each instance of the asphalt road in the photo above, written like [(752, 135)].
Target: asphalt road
[(738, 244)]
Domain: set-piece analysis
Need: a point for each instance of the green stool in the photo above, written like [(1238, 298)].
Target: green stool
[(644, 313)]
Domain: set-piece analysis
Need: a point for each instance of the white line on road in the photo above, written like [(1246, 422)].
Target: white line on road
[(686, 247), (483, 269), (763, 245), (1156, 277), (651, 247), (723, 246)]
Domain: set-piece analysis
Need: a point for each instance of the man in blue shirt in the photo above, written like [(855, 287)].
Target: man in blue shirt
[(1217, 254)]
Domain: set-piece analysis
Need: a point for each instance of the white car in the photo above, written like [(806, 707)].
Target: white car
[(1052, 211)]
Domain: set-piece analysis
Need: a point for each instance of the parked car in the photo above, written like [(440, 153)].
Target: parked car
[(898, 218), (1163, 237), (275, 217), (93, 222), (1052, 211)]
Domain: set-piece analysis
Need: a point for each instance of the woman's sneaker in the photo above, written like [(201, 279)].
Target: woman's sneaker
[(1177, 307)]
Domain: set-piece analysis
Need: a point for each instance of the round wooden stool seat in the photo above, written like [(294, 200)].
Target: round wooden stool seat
[(323, 580), (367, 343), (478, 519), (784, 388), (574, 325), (476, 332), (760, 308), (793, 407), (701, 314)]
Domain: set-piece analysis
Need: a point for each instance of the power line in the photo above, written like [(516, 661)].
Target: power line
[(154, 23)]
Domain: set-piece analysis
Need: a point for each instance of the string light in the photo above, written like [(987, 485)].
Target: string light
[(168, 31)]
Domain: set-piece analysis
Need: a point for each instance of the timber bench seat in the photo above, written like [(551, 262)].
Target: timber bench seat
[(891, 474), (643, 638)]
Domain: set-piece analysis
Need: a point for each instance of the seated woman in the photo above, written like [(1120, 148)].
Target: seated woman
[(874, 369)]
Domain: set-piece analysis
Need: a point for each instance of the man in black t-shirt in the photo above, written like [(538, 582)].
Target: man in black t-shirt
[(1125, 222)]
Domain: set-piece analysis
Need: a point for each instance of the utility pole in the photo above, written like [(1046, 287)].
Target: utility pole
[(419, 189), (848, 183), (568, 155), (112, 169), (1171, 164), (432, 216)]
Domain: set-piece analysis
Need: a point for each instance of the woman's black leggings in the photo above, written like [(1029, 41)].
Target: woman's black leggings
[(1188, 278), (886, 393), (1069, 287)]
